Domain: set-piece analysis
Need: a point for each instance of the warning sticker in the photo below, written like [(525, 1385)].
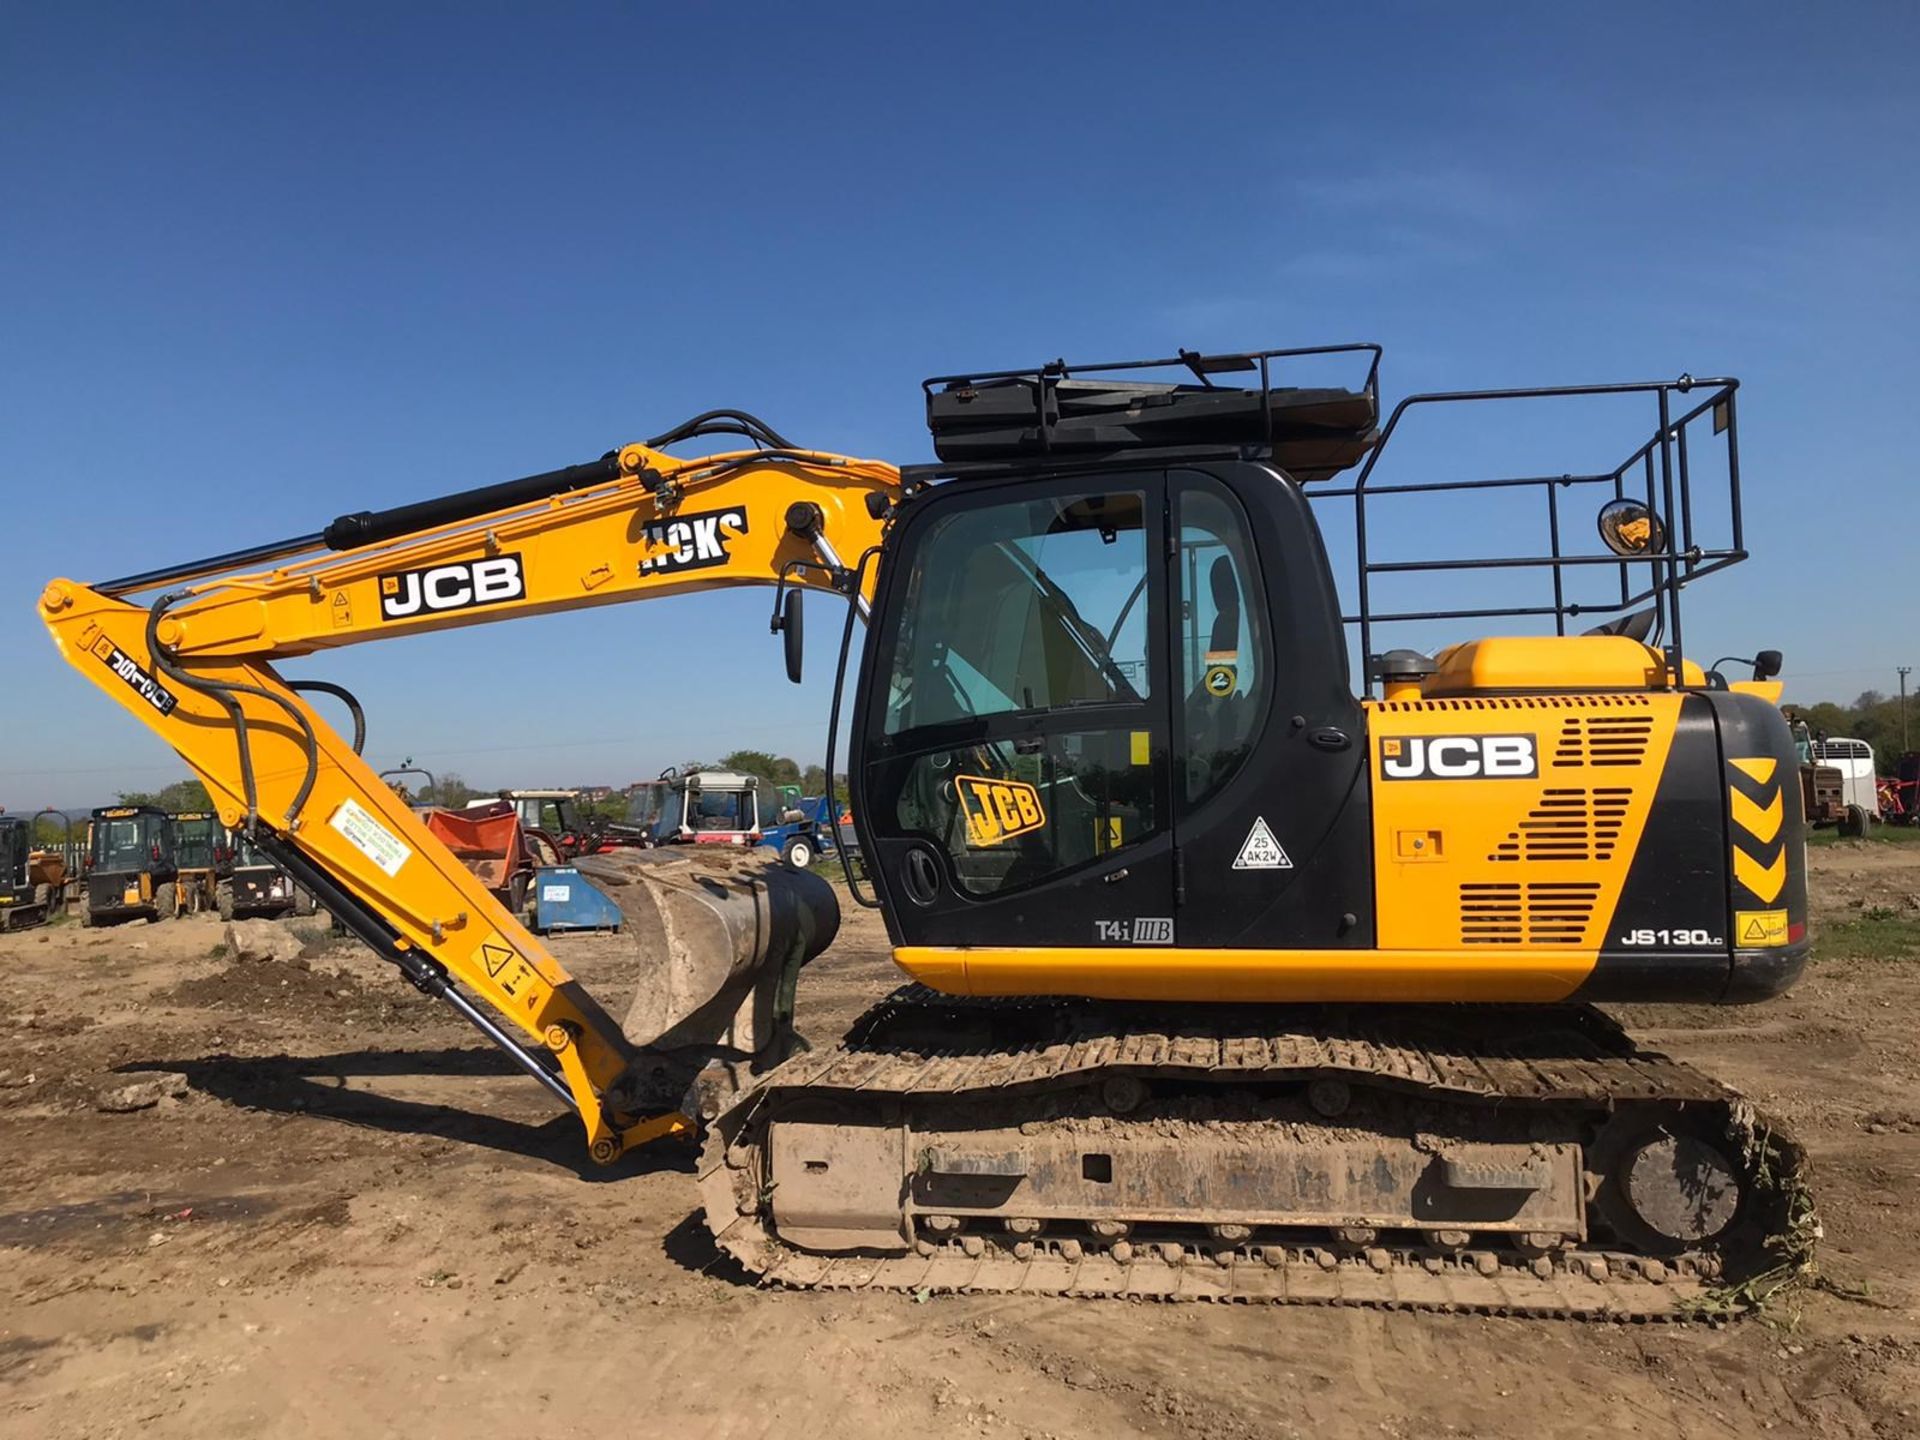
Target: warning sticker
[(1261, 851), (1760, 927), (370, 837), (555, 894), (495, 958)]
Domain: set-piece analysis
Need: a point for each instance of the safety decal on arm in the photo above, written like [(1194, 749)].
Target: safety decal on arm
[(370, 837)]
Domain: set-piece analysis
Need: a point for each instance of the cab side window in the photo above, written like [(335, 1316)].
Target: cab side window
[(1222, 644)]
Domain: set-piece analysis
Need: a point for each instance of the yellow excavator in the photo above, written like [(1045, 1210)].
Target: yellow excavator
[(1227, 982)]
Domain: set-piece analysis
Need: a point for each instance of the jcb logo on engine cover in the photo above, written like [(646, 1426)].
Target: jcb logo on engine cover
[(1459, 757), (460, 586), (692, 542), (998, 809)]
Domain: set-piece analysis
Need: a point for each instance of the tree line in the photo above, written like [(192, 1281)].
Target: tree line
[(1873, 717), (451, 791)]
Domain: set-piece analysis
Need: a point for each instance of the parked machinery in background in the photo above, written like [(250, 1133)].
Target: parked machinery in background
[(202, 856), (130, 868), (421, 799), (520, 845), (58, 864), (1848, 763), (256, 888), (553, 821), (709, 807), (646, 803), (1900, 792), (23, 900), (803, 831), (1823, 790)]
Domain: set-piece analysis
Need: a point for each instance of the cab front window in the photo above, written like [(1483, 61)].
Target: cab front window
[(1019, 685), (1029, 605)]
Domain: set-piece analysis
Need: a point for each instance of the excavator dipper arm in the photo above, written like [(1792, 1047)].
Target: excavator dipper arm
[(196, 666)]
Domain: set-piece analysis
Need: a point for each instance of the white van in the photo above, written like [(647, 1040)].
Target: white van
[(1854, 760)]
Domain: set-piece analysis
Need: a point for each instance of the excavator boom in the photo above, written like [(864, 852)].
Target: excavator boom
[(196, 665)]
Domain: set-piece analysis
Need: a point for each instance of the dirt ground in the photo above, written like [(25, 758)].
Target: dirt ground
[(353, 1218)]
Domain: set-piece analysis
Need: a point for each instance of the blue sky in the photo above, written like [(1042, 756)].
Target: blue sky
[(265, 264)]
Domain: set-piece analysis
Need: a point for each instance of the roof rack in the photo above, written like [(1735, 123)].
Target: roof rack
[(1659, 474), (1061, 412)]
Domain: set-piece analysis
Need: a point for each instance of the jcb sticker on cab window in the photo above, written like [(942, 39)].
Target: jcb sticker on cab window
[(1459, 757), (998, 809)]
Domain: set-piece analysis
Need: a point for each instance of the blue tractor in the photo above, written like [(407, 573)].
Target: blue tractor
[(803, 831)]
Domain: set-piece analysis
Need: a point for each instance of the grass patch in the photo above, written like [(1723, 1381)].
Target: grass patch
[(218, 952), (1878, 934), (1876, 835)]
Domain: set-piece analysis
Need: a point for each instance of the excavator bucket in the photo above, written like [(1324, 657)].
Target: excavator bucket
[(709, 947)]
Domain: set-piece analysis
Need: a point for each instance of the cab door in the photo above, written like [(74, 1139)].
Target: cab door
[(1014, 725), (1271, 807)]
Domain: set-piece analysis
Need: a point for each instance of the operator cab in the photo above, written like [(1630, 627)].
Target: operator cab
[(703, 807), (200, 842), (129, 839), (131, 865), (1109, 644)]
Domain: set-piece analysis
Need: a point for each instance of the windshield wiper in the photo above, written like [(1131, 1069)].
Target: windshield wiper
[(1092, 643)]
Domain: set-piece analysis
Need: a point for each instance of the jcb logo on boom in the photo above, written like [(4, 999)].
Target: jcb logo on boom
[(1459, 757), (692, 542), (460, 586)]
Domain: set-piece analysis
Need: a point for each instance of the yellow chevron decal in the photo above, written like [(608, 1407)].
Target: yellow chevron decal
[(1763, 821), (1757, 768), (1765, 881)]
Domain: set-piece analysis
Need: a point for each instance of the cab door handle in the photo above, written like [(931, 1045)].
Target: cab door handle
[(1112, 875), (1328, 737)]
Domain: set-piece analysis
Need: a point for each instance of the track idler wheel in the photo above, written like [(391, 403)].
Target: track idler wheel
[(1666, 1190)]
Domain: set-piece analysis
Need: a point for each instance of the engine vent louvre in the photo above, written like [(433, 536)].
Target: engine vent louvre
[(1569, 823), (1536, 913), (1603, 740)]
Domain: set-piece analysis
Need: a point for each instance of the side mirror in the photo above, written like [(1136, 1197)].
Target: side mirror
[(1766, 664), (1631, 529), (792, 633)]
